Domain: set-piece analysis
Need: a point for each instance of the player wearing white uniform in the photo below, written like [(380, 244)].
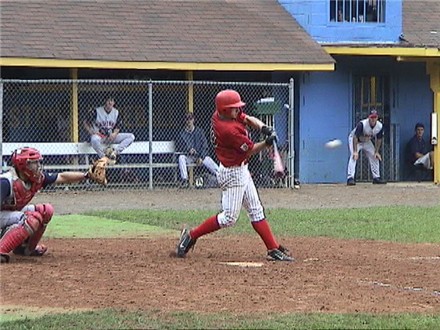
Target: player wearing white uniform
[(233, 149), (361, 138), (104, 128)]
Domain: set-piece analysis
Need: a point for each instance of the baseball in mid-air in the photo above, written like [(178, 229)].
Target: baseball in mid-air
[(333, 144)]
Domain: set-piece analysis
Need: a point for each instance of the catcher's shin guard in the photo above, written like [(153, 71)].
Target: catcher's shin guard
[(33, 224), (13, 237), (31, 247), (185, 243)]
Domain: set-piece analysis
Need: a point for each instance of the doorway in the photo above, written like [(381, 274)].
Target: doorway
[(373, 92)]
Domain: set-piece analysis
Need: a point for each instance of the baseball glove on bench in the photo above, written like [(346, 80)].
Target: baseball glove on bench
[(97, 171)]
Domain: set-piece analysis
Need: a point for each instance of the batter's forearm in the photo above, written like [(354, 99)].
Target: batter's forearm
[(259, 146), (254, 122)]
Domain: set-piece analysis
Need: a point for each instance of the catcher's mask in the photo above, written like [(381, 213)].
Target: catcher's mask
[(27, 161), (226, 100)]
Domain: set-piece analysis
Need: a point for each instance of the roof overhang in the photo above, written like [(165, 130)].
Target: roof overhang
[(184, 66), (383, 51)]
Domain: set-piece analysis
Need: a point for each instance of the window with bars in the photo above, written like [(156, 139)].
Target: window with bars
[(357, 11)]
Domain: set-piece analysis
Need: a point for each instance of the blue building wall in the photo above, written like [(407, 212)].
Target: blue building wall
[(324, 103), (326, 112), (314, 17)]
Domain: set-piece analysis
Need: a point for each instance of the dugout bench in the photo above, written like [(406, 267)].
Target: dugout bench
[(80, 155)]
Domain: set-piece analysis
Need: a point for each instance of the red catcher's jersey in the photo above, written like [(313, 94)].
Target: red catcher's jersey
[(21, 194), (230, 139)]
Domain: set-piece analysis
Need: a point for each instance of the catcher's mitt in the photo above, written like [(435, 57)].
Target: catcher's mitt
[(97, 171)]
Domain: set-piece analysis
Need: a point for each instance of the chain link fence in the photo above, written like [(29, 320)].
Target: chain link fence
[(50, 115)]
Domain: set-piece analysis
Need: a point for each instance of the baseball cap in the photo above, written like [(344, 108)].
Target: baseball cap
[(419, 125), (373, 114)]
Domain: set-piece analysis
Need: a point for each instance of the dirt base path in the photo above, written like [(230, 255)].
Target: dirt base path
[(329, 276)]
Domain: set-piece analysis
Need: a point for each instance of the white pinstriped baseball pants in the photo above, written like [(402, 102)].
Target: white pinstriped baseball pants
[(238, 189)]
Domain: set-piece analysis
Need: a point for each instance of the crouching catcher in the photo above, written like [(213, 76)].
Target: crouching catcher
[(22, 224)]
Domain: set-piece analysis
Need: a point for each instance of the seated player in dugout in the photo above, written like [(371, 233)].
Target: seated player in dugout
[(419, 152), (193, 146), (104, 126)]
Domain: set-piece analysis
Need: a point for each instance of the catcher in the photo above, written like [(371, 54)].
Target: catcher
[(22, 224)]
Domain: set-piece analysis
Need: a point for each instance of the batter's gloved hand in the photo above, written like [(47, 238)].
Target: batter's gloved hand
[(271, 138), (267, 130)]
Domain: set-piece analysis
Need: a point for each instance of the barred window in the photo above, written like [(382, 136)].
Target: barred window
[(357, 11)]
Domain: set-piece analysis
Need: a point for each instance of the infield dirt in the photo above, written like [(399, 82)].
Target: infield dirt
[(329, 275)]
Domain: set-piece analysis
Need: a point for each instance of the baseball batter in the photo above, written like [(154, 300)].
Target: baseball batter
[(361, 138), (22, 224), (104, 129), (233, 148)]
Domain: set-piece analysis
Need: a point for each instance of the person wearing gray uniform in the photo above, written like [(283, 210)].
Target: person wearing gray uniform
[(104, 126), (361, 138), (193, 147)]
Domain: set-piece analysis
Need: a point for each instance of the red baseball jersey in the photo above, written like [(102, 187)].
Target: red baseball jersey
[(230, 139)]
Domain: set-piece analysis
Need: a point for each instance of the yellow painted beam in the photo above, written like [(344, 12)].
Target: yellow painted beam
[(187, 66), (383, 51), (190, 77), (75, 112), (434, 74)]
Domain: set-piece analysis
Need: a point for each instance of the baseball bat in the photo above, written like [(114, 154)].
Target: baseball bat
[(278, 165)]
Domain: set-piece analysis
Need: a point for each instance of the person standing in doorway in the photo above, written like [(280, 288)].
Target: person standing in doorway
[(361, 138)]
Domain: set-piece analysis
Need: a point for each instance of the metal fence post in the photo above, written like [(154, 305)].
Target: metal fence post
[(1, 123), (150, 135), (291, 134)]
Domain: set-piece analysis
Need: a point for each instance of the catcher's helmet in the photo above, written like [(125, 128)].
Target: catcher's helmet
[(228, 99), (22, 158)]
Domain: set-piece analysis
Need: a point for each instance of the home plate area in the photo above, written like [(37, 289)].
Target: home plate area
[(244, 264), (229, 273)]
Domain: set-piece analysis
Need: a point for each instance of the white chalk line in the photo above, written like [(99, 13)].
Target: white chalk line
[(405, 288)]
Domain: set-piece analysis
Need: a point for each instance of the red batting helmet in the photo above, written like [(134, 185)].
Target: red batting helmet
[(228, 99), (21, 159)]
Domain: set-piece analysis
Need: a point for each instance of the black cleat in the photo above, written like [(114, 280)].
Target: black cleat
[(4, 258), (280, 254), (379, 181), (185, 243), (351, 182)]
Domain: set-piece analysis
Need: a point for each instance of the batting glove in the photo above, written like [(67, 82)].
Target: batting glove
[(271, 138), (267, 130)]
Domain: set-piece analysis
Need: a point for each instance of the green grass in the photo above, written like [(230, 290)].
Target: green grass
[(124, 319), (84, 226), (392, 223), (398, 224)]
